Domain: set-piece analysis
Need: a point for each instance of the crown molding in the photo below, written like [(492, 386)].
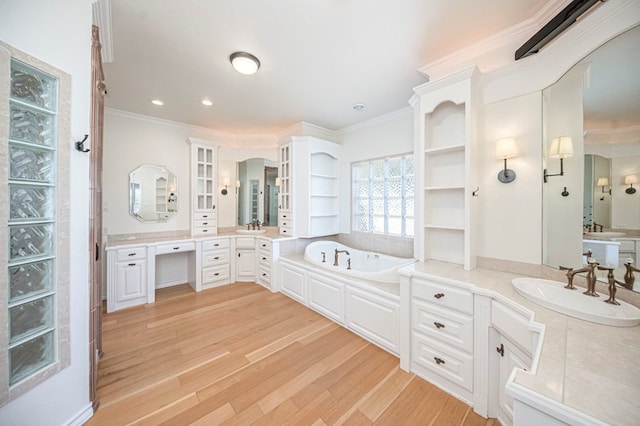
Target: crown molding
[(406, 111), (102, 20), (607, 135), (478, 53)]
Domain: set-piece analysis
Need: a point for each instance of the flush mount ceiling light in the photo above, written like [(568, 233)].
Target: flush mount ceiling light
[(358, 107), (157, 102), (244, 63), (206, 102)]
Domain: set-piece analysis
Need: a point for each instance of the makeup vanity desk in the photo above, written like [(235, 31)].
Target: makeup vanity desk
[(134, 265)]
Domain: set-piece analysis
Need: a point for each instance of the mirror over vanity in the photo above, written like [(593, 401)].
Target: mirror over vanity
[(153, 195), (597, 104), (257, 191)]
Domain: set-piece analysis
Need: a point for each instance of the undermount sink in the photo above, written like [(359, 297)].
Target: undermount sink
[(251, 231), (553, 295), (605, 234)]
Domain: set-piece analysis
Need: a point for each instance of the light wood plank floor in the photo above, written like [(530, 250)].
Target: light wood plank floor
[(240, 354)]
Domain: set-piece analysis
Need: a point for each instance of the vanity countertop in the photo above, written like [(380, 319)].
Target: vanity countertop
[(592, 368), (153, 238)]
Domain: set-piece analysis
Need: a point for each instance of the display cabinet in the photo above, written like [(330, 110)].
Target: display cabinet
[(34, 133), (285, 202), (204, 183)]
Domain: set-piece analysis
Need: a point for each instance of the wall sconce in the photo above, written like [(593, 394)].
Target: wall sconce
[(172, 197), (630, 180), (561, 148), (506, 148), (237, 186), (225, 182), (277, 182), (602, 182)]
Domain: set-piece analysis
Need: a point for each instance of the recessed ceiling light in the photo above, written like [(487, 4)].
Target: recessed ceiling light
[(206, 102), (358, 107), (157, 102), (244, 63)]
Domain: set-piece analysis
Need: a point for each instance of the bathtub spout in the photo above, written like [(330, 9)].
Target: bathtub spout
[(335, 257)]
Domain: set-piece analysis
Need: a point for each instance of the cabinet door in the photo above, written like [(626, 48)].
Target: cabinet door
[(245, 265), (294, 283), (510, 357), (373, 317), (131, 283), (326, 296)]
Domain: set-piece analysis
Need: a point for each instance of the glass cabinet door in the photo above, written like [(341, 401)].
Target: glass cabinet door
[(31, 254)]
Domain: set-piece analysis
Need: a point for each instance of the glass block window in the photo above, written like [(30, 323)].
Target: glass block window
[(383, 196), (31, 255)]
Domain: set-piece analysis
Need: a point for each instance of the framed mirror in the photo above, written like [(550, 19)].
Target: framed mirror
[(153, 195), (597, 104), (257, 191)]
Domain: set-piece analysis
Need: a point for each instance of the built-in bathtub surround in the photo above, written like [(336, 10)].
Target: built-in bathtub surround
[(385, 244)]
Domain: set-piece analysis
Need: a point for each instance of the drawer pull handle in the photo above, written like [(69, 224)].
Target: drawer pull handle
[(205, 230), (500, 350), (216, 258), (205, 216), (438, 295), (264, 258), (438, 360), (216, 274), (132, 264), (216, 245), (131, 254), (264, 275), (438, 324), (176, 248), (205, 223), (264, 245)]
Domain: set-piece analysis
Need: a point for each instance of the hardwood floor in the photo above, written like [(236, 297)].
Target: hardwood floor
[(240, 354)]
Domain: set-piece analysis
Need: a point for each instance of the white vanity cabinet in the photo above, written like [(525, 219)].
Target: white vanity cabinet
[(215, 260), (285, 197), (203, 187), (442, 328), (126, 277), (265, 251), (245, 259)]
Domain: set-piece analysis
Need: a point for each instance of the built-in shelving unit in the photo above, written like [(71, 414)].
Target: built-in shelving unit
[(161, 195), (285, 202), (323, 192), (203, 187), (445, 140)]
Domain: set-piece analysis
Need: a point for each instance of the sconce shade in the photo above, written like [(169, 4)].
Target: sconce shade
[(277, 182), (226, 181), (244, 63), (506, 148), (561, 147), (630, 180), (603, 181), (237, 184)]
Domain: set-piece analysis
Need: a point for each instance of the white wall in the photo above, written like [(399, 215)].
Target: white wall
[(509, 215), (63, 40), (625, 208), (131, 140), (387, 135)]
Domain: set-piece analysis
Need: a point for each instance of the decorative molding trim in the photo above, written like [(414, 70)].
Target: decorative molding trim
[(306, 129), (102, 19), (82, 416), (503, 39)]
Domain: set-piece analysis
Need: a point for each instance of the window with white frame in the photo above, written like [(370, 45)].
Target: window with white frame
[(383, 196)]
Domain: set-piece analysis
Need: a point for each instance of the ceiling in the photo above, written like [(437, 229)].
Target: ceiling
[(318, 57)]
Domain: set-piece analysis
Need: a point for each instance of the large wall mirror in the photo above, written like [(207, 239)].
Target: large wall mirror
[(256, 185), (597, 104), (153, 195)]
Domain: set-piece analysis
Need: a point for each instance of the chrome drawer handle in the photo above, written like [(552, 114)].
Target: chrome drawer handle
[(438, 360), (438, 295), (438, 324)]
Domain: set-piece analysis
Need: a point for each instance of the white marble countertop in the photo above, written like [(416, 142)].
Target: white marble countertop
[(592, 368)]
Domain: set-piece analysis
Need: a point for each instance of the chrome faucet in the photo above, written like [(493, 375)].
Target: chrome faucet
[(335, 257)]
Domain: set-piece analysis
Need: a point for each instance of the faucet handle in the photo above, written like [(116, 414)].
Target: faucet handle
[(565, 268)]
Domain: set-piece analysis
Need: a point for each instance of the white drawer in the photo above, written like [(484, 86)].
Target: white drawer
[(204, 216), (131, 253), (451, 327), (448, 362), (286, 231), (215, 257), (627, 245), (204, 231), (264, 246), (215, 273), (264, 258), (175, 247), (215, 244), (443, 295), (288, 216), (245, 242), (285, 223), (264, 274), (513, 325), (204, 223)]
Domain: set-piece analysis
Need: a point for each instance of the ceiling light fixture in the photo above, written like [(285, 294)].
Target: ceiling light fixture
[(358, 107), (157, 102), (206, 102), (244, 63)]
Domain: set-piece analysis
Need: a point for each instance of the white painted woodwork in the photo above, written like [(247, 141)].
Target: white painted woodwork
[(265, 251), (245, 264), (293, 282), (204, 187), (126, 277), (326, 296)]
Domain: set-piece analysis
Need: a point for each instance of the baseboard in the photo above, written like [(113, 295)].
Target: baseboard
[(82, 417)]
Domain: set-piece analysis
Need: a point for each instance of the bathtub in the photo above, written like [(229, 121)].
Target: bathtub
[(364, 264)]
